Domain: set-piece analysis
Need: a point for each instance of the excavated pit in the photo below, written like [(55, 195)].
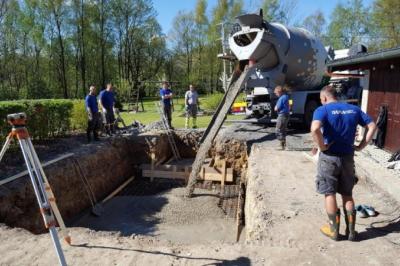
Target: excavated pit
[(154, 208)]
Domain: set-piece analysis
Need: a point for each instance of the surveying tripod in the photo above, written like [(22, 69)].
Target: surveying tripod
[(41, 186)]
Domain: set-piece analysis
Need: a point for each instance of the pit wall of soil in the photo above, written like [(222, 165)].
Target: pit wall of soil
[(106, 165)]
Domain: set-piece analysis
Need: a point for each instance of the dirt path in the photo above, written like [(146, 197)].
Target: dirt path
[(283, 218), (284, 210)]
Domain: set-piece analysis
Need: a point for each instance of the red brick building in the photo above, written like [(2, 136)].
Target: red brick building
[(381, 86)]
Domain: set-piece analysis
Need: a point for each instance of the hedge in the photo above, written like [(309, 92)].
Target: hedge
[(45, 118)]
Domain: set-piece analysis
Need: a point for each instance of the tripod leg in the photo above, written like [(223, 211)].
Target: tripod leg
[(57, 246), (49, 192), (42, 199), (5, 147)]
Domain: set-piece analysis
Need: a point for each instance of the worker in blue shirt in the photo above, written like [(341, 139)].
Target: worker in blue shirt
[(107, 102), (166, 101), (333, 129), (92, 110), (282, 108)]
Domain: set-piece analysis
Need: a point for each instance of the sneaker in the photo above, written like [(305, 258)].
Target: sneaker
[(361, 212), (369, 210)]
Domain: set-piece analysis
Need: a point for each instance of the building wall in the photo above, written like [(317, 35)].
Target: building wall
[(384, 89)]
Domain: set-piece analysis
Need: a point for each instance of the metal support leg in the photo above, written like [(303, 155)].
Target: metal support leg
[(5, 147), (41, 196), (49, 193)]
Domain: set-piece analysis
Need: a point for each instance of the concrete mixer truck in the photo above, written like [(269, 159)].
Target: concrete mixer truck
[(282, 56)]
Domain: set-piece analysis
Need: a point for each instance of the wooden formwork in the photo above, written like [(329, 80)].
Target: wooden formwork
[(209, 171)]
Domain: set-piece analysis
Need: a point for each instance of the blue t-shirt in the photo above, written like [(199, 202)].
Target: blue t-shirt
[(91, 102), (339, 124), (164, 92), (283, 104), (107, 99)]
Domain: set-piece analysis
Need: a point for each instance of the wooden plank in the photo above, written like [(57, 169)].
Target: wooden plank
[(24, 173), (153, 157), (164, 174), (208, 176), (223, 175), (121, 187)]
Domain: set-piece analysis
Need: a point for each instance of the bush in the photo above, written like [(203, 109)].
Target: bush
[(211, 101), (78, 116), (46, 118)]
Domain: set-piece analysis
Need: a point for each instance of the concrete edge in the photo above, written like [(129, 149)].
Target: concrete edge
[(371, 171)]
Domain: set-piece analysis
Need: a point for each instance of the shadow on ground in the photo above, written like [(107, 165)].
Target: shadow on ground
[(127, 215), (240, 261)]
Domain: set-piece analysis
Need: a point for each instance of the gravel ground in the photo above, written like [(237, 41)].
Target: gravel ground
[(379, 156), (167, 215)]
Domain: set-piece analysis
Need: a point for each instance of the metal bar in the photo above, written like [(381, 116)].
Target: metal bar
[(49, 192), (57, 246), (5, 147)]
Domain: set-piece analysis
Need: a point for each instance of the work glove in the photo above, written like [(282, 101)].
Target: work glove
[(186, 108), (90, 116), (104, 110)]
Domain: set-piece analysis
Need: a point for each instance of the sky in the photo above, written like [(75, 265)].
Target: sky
[(167, 9)]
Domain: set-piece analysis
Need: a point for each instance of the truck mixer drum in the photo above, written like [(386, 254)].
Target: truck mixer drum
[(291, 56)]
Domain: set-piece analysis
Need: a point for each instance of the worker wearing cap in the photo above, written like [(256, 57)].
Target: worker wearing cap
[(92, 110), (333, 129), (107, 102), (166, 101), (191, 105), (282, 108)]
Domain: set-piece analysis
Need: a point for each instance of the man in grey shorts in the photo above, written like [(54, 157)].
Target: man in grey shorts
[(191, 105), (283, 110), (333, 129)]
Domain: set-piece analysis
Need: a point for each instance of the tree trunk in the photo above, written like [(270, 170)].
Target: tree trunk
[(62, 55)]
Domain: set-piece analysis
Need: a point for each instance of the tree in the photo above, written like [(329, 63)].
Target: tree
[(349, 25), (315, 23), (183, 36), (386, 18), (281, 11)]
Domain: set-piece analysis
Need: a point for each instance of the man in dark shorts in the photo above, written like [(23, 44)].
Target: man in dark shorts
[(107, 102), (282, 108), (92, 110), (333, 129), (166, 101)]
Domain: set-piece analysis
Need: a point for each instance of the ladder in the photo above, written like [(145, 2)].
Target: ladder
[(237, 82), (170, 136), (44, 195), (134, 100)]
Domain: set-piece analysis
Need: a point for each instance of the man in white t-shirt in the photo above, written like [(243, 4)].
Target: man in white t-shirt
[(191, 105)]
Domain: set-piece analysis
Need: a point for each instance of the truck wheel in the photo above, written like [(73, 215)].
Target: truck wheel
[(308, 113)]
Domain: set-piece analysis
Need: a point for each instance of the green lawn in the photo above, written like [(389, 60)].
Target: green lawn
[(178, 121)]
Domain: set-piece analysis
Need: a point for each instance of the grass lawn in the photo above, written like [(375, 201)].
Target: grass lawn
[(178, 121)]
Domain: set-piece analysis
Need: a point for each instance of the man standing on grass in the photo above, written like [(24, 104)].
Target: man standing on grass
[(92, 110), (191, 105), (166, 101), (107, 102), (282, 108), (333, 129)]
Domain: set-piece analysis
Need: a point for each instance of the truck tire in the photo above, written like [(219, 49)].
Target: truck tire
[(311, 105)]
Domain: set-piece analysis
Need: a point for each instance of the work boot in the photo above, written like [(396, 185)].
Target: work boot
[(331, 230), (281, 146), (350, 219)]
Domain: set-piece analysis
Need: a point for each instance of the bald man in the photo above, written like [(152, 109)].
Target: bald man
[(333, 129), (92, 110)]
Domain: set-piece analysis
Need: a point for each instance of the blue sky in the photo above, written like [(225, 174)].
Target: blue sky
[(167, 9)]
